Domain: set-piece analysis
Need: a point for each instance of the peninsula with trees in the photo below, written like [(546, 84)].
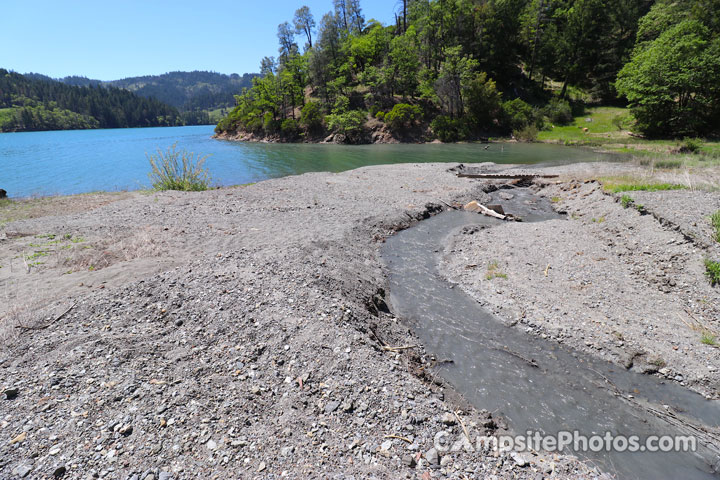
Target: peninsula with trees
[(465, 70)]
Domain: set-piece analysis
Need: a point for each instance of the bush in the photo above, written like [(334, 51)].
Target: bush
[(712, 270), (445, 128), (559, 111), (311, 117), (270, 124), (403, 116), (289, 128), (517, 115), (529, 133), (690, 145), (380, 115), (351, 124), (178, 170)]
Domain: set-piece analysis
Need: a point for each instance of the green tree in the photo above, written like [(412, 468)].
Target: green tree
[(673, 82)]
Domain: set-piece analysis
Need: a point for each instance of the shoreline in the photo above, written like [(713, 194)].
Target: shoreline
[(260, 309)]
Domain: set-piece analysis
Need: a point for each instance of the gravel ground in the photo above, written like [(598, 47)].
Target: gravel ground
[(234, 333), (624, 284)]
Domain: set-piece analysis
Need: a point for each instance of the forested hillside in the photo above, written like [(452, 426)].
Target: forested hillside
[(464, 69), (28, 104)]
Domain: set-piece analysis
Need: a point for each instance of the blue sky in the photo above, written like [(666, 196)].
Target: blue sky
[(108, 40)]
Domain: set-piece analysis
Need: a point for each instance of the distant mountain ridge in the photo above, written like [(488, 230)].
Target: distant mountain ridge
[(186, 91)]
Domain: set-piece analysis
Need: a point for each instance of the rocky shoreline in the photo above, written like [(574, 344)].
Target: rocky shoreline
[(238, 332)]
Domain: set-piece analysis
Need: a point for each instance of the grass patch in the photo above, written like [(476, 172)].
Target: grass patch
[(626, 201), (493, 271), (712, 270), (715, 221), (708, 338), (644, 187), (178, 170)]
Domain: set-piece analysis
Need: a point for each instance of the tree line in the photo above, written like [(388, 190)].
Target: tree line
[(28, 104), (471, 68)]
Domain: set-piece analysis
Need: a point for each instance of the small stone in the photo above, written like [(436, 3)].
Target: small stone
[(126, 430), (178, 323), (331, 406), (664, 371), (10, 393), (448, 419), (164, 476), (286, 451), (54, 451), (211, 445), (59, 471), (22, 471), (20, 438), (261, 467), (445, 461), (519, 459), (432, 457), (386, 445), (255, 390), (409, 460)]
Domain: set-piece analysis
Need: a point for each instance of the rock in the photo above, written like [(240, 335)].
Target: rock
[(445, 460), (519, 459), (211, 444), (286, 451), (20, 438), (22, 470), (126, 430), (347, 406), (10, 393), (164, 476), (3, 193), (664, 371), (448, 419), (261, 467), (59, 471), (386, 445), (506, 195), (432, 457), (331, 406), (255, 390), (409, 460)]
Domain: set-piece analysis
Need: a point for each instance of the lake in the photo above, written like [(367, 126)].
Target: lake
[(79, 161)]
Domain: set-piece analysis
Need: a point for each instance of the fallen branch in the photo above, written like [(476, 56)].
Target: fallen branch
[(397, 349), (547, 269), (529, 361), (475, 206), (465, 430), (399, 438), (48, 324)]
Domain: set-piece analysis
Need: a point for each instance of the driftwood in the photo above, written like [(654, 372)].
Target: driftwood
[(501, 175), (474, 206), (42, 327)]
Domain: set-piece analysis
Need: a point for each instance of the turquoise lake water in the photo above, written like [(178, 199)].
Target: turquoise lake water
[(78, 161)]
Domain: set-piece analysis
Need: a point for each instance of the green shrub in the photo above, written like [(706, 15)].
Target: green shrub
[(351, 124), (517, 114), (289, 128), (715, 221), (445, 128), (178, 170), (559, 111), (403, 116), (311, 117), (626, 201), (690, 145), (712, 270), (270, 124), (528, 133), (668, 164), (380, 115)]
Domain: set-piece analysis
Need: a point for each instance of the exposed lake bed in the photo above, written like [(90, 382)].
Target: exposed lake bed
[(248, 323)]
